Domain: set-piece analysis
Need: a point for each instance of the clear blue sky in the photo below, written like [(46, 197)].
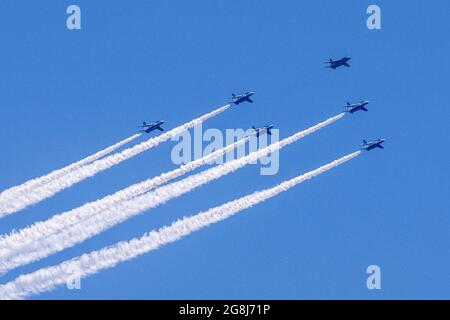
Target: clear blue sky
[(67, 94)]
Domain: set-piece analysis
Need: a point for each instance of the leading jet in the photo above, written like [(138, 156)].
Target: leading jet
[(338, 63), (149, 127), (263, 130), (373, 144), (353, 107), (237, 99)]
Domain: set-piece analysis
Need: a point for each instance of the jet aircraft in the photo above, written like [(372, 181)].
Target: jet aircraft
[(263, 130), (149, 127), (351, 108), (369, 145), (237, 99), (338, 63)]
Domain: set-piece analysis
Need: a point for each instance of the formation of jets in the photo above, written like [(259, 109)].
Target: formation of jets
[(353, 107), (245, 97)]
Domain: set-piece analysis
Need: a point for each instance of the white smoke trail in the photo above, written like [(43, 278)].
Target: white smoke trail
[(48, 278), (86, 224), (16, 242), (97, 166), (11, 193)]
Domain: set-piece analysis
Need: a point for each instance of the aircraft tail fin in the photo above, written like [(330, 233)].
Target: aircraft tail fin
[(253, 127), (364, 141), (144, 123), (348, 103)]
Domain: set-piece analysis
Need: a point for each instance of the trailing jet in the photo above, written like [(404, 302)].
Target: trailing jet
[(338, 63), (265, 129), (373, 144), (149, 127), (237, 99), (357, 106)]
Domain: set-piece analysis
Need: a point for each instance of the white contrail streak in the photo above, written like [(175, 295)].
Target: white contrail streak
[(97, 166), (16, 242), (48, 278), (86, 224), (11, 193)]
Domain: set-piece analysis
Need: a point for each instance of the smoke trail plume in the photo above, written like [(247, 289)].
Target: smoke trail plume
[(97, 166), (13, 192), (48, 278), (86, 224), (16, 242)]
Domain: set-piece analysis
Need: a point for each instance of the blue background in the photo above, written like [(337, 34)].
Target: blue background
[(67, 94)]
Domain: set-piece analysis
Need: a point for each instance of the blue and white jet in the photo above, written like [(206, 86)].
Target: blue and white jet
[(237, 99), (351, 108), (373, 144), (149, 127), (338, 63), (263, 130)]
